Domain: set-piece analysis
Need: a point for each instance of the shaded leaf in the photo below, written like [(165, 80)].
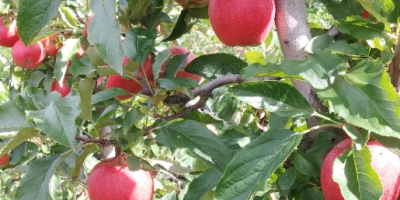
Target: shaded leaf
[(33, 16), (274, 96), (89, 149), (361, 29), (200, 141), (23, 135), (252, 166), (85, 89), (12, 118), (104, 33), (181, 26), (35, 183), (212, 66), (355, 49), (107, 94), (306, 164), (201, 185), (287, 179), (138, 44)]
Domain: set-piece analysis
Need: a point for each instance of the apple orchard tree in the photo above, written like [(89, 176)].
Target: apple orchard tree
[(198, 99)]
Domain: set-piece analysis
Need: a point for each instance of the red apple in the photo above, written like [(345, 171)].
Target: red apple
[(8, 35), (112, 180), (64, 90), (366, 14), (384, 162), (130, 85), (28, 57), (51, 46), (4, 160), (188, 4), (85, 33), (241, 23)]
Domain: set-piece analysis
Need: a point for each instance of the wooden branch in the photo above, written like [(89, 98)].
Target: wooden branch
[(395, 66), (103, 142)]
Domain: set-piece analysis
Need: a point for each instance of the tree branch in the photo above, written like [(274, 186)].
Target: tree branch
[(103, 142), (395, 66)]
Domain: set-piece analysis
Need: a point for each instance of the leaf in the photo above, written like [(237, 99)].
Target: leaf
[(104, 33), (252, 166), (138, 44), (57, 120), (361, 29), (178, 82), (181, 26), (320, 70), (274, 96), (33, 16), (364, 97), (35, 183), (89, 149), (85, 89), (23, 135), (270, 70), (255, 57), (357, 179), (174, 64), (35, 78), (12, 118), (160, 59), (344, 8), (286, 180), (69, 17), (138, 9), (107, 94), (226, 107), (201, 185), (213, 66), (306, 164), (360, 138), (69, 48), (355, 49), (319, 43), (200, 141), (170, 166)]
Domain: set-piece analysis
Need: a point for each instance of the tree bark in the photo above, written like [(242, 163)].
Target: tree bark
[(294, 34), (395, 66)]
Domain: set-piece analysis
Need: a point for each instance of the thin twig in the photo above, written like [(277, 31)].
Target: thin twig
[(103, 142)]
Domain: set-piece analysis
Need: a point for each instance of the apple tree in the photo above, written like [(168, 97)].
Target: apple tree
[(199, 99)]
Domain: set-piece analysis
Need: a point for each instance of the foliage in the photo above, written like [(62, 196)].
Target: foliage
[(240, 134)]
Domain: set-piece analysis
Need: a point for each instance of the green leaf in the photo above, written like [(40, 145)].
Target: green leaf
[(213, 66), (270, 70), (33, 16), (104, 33), (12, 118), (360, 138), (306, 164), (85, 89), (200, 141), (160, 59), (138, 9), (365, 97), (57, 120), (107, 94), (255, 57), (355, 49), (251, 167), (380, 9), (69, 17), (394, 15), (181, 27), (361, 29), (227, 106), (274, 96), (174, 64), (319, 43), (69, 48), (201, 185), (357, 179), (344, 8), (89, 149), (23, 135), (35, 183), (33, 99), (138, 44), (178, 82), (286, 180), (35, 78), (320, 70)]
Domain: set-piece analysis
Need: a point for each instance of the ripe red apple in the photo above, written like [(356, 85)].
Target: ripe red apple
[(8, 35), (4, 160), (188, 4), (28, 57), (384, 162), (241, 23), (85, 33), (64, 90), (51, 45), (130, 85), (111, 180)]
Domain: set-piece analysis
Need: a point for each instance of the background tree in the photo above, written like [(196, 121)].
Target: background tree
[(147, 87)]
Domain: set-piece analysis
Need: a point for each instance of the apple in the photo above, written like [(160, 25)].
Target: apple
[(28, 57), (130, 85), (4, 160), (64, 90), (241, 23), (366, 14), (85, 33), (51, 46), (188, 4), (8, 35), (384, 162), (111, 179)]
